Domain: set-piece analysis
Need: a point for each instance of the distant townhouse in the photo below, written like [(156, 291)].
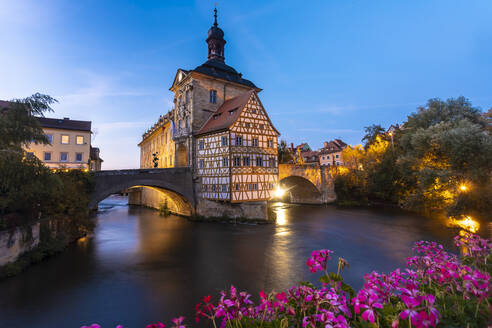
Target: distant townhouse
[(69, 145), (331, 153)]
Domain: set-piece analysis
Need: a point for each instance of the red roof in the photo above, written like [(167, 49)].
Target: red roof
[(227, 114)]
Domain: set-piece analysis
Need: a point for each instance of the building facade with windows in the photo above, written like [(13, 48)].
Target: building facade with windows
[(237, 152), (157, 148), (219, 128), (69, 144), (331, 153)]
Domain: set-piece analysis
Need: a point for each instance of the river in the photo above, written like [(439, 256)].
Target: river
[(141, 268)]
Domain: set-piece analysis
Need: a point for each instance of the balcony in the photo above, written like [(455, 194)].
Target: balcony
[(181, 132)]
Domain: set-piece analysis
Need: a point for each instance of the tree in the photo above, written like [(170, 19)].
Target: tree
[(284, 154), (19, 125), (443, 146), (371, 133), (488, 118)]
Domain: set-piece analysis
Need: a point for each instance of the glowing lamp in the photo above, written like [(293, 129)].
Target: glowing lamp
[(279, 192), (463, 187)]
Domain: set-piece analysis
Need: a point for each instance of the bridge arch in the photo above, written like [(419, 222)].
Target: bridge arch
[(310, 184), (175, 183), (156, 197), (300, 190)]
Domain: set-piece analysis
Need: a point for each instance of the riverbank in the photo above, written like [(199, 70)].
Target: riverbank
[(31, 244)]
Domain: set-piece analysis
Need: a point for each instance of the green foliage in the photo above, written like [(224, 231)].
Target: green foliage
[(372, 132), (19, 125), (284, 154)]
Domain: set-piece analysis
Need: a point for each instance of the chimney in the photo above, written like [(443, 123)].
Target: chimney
[(325, 144)]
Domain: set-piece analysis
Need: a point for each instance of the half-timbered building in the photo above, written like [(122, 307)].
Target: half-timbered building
[(237, 152)]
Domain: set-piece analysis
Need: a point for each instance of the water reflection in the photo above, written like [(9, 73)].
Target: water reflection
[(466, 223), (140, 267)]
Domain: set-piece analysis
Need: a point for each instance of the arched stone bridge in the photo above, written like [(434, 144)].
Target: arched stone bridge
[(176, 184), (307, 184), (174, 187)]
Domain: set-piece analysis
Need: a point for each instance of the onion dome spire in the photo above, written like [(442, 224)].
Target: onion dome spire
[(215, 41)]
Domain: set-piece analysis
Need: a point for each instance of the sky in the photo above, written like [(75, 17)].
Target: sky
[(327, 68)]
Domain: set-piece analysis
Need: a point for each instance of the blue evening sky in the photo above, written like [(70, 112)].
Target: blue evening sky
[(328, 68)]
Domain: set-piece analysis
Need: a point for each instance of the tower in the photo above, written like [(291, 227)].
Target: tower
[(215, 41)]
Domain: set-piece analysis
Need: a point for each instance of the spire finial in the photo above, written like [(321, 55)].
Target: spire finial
[(215, 15)]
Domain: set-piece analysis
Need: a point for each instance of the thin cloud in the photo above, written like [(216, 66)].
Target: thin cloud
[(333, 131), (121, 125)]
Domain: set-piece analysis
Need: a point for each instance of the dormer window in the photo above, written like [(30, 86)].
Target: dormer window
[(216, 116), (213, 96)]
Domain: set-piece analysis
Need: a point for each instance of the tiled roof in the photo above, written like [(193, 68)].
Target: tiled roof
[(227, 114), (65, 123), (218, 69)]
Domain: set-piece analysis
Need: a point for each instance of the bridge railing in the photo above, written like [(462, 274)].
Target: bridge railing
[(138, 171)]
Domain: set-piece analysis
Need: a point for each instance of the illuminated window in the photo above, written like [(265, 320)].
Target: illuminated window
[(213, 96), (47, 156), (63, 157), (224, 141), (78, 157), (50, 138), (79, 140), (65, 139)]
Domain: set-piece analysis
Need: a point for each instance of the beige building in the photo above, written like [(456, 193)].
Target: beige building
[(69, 144), (157, 145), (331, 153)]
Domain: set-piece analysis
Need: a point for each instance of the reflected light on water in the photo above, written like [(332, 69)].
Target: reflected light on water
[(467, 223), (280, 213)]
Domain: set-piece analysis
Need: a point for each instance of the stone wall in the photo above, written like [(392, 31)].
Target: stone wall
[(14, 242), (248, 210), (152, 197), (202, 108)]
